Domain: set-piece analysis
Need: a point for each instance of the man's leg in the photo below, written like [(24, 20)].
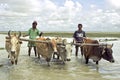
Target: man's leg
[(35, 51), (81, 50), (77, 48), (29, 50)]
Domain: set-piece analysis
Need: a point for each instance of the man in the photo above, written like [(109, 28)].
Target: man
[(32, 33), (79, 36)]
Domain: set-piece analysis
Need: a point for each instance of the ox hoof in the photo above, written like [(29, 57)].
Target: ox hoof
[(12, 62), (63, 63), (16, 62), (48, 65)]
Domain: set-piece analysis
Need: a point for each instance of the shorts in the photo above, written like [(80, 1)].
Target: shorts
[(78, 45), (31, 44)]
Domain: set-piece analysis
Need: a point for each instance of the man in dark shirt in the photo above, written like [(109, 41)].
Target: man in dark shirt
[(79, 36)]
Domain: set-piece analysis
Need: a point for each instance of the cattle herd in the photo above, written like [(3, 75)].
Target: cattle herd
[(59, 48)]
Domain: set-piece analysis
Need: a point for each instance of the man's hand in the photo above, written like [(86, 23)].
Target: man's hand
[(40, 34)]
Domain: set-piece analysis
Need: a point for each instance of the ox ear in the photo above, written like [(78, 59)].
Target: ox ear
[(64, 41), (71, 43), (110, 46)]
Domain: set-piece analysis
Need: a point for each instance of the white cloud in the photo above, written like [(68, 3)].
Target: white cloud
[(114, 3), (69, 3), (51, 16), (93, 6)]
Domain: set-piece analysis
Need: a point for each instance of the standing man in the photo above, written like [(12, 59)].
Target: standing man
[(79, 36), (32, 33)]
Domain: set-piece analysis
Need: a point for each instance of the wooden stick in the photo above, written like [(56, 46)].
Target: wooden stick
[(79, 44), (88, 44)]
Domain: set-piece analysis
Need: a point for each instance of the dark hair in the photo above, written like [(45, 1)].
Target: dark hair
[(79, 25), (35, 22)]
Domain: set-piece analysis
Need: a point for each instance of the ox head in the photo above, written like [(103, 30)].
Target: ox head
[(67, 47), (68, 51), (14, 45), (107, 54)]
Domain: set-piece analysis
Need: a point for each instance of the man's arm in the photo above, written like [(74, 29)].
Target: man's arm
[(40, 34), (74, 37), (25, 35)]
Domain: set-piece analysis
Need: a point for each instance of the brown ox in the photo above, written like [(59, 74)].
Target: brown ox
[(46, 49), (12, 46), (97, 52)]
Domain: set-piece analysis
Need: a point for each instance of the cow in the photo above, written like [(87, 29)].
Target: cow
[(46, 49), (96, 52), (12, 46), (64, 49)]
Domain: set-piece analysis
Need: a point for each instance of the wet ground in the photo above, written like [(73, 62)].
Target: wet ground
[(31, 68)]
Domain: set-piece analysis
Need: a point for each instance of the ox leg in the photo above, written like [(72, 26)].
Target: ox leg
[(38, 55), (53, 55), (48, 60), (97, 62), (8, 56), (87, 59), (16, 62), (12, 62), (58, 56)]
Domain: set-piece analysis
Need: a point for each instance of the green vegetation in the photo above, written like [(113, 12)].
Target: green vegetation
[(88, 34), (70, 34), (103, 34), (2, 48)]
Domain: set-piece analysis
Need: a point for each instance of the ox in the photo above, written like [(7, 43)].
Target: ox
[(12, 46), (64, 49), (97, 52), (46, 49)]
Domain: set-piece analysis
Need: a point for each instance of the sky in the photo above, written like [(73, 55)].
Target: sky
[(60, 15)]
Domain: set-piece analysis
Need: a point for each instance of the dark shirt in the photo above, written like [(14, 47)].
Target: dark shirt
[(79, 35)]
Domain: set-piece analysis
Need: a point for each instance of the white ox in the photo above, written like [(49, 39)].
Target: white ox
[(64, 49), (12, 46)]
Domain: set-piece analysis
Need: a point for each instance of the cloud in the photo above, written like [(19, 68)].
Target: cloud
[(53, 17), (114, 3)]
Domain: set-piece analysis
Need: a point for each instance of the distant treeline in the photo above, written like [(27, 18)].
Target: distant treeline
[(70, 34)]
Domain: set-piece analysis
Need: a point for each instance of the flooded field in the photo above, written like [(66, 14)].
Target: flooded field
[(31, 68)]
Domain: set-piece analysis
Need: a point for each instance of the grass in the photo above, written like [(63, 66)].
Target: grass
[(2, 48), (70, 34), (88, 34)]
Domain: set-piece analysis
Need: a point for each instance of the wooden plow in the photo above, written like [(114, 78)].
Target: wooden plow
[(79, 44), (88, 44), (105, 40)]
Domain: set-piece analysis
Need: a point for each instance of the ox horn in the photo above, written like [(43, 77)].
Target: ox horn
[(19, 34), (9, 34)]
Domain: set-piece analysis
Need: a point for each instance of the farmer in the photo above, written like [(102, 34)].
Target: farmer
[(79, 36), (32, 33)]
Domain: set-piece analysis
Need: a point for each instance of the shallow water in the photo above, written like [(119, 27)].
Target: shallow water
[(30, 68)]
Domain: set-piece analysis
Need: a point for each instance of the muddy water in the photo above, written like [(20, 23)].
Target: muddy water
[(30, 68)]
